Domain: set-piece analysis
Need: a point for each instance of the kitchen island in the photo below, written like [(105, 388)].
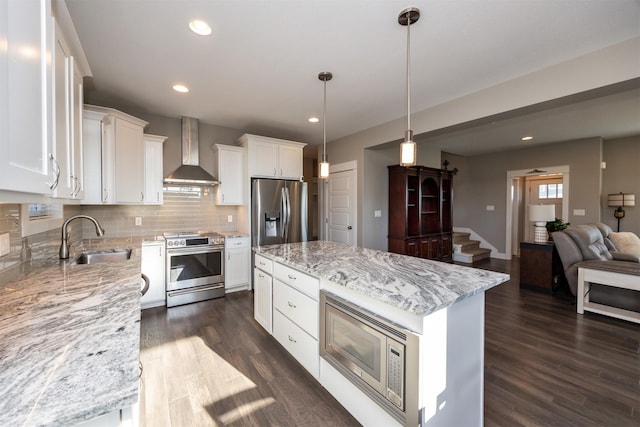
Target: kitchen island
[(70, 339), (442, 304)]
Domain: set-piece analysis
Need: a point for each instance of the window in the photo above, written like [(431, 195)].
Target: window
[(550, 191), (39, 217)]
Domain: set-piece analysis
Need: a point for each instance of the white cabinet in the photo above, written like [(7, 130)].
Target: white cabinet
[(273, 158), (153, 172), (67, 112), (229, 169), (237, 265), (25, 97), (296, 315), (262, 293), (113, 157), (153, 267), (41, 69)]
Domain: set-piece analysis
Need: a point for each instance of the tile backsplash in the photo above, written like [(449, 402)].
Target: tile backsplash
[(184, 210)]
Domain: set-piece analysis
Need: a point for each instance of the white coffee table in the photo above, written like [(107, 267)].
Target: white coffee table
[(609, 273)]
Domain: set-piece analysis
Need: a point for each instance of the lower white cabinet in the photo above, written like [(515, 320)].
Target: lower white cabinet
[(153, 266), (262, 294), (299, 343), (237, 275), (296, 315)]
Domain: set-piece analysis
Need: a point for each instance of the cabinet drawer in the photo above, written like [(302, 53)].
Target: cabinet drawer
[(236, 242), (297, 342), (306, 284), (264, 264), (299, 308)]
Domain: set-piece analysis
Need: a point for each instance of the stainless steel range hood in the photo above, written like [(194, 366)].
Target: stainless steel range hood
[(190, 172)]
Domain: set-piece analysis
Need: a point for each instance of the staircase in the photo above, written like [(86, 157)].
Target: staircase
[(468, 251)]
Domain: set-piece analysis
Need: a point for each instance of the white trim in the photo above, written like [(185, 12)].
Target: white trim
[(544, 170), (341, 167)]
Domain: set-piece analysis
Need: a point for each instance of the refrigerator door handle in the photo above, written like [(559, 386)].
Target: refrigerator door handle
[(287, 214), (283, 215)]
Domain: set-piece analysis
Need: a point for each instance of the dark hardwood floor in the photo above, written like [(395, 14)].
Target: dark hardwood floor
[(211, 364)]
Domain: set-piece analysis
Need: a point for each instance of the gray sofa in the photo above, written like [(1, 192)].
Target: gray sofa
[(592, 242)]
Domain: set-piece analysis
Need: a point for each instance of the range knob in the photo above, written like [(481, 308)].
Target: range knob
[(183, 242)]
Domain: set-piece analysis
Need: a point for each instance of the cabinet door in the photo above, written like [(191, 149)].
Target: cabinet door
[(446, 247), (412, 248), (263, 159), (263, 303), (290, 161), (129, 162), (238, 264), (67, 110), (153, 173), (430, 247), (76, 114), (231, 176), (26, 161), (153, 266)]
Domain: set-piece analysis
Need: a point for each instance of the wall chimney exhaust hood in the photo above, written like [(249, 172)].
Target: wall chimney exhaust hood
[(190, 172)]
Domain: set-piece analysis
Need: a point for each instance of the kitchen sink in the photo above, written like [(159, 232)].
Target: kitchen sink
[(105, 255)]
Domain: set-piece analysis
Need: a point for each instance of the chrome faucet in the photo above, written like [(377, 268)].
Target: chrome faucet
[(64, 246)]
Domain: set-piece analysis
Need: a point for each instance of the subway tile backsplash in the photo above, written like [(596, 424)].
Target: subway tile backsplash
[(181, 211)]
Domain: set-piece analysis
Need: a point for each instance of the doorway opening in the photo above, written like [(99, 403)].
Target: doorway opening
[(542, 185)]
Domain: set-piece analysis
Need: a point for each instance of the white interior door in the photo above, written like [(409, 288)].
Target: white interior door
[(341, 215)]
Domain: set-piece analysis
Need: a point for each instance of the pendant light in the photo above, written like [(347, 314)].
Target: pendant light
[(408, 150), (324, 76)]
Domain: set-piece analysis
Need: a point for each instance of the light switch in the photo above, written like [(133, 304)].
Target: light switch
[(491, 208), (229, 218), (138, 220), (578, 212), (377, 213)]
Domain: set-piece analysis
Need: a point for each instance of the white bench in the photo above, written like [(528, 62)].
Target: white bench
[(596, 272)]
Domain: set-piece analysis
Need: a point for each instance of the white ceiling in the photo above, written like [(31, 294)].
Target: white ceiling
[(258, 71)]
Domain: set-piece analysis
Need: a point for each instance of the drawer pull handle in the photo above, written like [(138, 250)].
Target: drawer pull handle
[(260, 275), (262, 263), (292, 305), (291, 277), (291, 339)]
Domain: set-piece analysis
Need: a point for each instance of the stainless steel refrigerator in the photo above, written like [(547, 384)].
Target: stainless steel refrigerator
[(278, 211)]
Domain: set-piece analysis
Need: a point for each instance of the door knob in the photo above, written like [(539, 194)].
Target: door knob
[(349, 227)]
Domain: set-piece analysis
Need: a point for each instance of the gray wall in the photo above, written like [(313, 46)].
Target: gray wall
[(622, 174), (482, 181)]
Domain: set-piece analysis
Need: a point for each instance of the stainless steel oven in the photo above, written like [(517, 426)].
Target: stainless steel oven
[(195, 267), (377, 356)]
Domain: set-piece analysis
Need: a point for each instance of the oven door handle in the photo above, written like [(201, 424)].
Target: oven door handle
[(194, 251)]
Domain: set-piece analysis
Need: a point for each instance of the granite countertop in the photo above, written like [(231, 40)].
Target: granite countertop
[(415, 285), (70, 339)]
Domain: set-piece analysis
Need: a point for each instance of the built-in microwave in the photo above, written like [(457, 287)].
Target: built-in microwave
[(377, 356)]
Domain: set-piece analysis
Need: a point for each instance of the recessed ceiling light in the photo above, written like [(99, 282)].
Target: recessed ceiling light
[(313, 120), (180, 88), (527, 138), (200, 27)]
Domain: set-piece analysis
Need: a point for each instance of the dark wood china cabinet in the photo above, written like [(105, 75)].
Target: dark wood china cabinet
[(420, 212)]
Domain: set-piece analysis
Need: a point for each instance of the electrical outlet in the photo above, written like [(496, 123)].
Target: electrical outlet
[(491, 208), (5, 245), (138, 220), (230, 218)]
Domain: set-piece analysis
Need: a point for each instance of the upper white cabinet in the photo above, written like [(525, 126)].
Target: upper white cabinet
[(153, 173), (229, 169), (273, 158), (41, 69), (67, 111), (113, 157), (25, 97)]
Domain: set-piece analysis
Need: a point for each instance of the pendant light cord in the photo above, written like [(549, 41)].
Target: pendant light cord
[(408, 71), (324, 124)]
